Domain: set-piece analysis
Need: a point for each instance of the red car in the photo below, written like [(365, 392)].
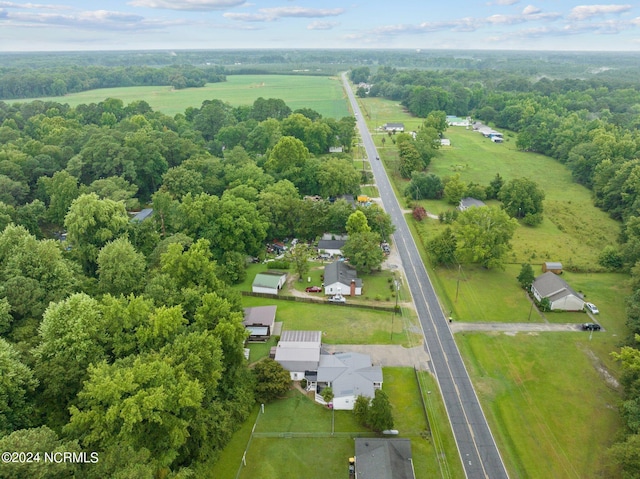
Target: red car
[(313, 289)]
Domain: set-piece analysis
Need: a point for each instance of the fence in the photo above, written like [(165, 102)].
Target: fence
[(318, 301)]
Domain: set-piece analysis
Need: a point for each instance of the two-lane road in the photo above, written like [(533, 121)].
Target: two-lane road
[(476, 445)]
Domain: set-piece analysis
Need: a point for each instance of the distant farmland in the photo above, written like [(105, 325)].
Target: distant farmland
[(323, 94)]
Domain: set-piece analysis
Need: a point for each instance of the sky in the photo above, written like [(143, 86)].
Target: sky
[(71, 25)]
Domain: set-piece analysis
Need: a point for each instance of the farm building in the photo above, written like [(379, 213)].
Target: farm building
[(269, 282), (553, 266), (468, 202), (259, 321), (340, 278), (381, 458), (560, 295)]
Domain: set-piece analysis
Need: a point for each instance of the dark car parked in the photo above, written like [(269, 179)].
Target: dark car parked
[(313, 289), (591, 327)]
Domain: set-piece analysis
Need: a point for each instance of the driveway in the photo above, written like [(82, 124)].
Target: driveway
[(386, 355), (457, 327)]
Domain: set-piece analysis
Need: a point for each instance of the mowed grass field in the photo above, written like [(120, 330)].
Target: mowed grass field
[(293, 437), (548, 405), (551, 409), (323, 94)]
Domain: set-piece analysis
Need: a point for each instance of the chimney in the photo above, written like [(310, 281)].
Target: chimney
[(353, 287)]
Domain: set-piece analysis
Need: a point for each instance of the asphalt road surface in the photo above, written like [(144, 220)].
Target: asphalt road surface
[(476, 445)]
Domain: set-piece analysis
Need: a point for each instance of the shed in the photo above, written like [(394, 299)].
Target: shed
[(553, 266), (269, 282), (381, 458), (259, 321), (560, 295)]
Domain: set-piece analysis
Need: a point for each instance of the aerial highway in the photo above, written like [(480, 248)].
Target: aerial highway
[(476, 445)]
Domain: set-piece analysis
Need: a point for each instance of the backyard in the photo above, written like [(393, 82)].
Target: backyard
[(311, 441)]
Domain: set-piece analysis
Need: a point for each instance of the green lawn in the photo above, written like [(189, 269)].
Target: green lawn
[(548, 406), (323, 94), (278, 446), (341, 325)]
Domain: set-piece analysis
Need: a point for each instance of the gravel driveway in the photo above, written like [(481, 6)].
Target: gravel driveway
[(386, 355)]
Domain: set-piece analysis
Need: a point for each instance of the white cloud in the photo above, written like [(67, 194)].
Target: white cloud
[(503, 2), (30, 6), (321, 25), (582, 12), (88, 20), (530, 10), (272, 14), (197, 5)]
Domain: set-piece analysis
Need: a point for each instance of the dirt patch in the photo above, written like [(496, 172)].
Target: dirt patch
[(609, 379)]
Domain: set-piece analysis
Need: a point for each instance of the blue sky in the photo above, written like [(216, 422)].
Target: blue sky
[(225, 24)]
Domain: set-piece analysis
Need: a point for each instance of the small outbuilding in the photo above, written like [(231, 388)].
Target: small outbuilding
[(269, 282), (142, 215), (560, 295), (553, 266), (259, 321)]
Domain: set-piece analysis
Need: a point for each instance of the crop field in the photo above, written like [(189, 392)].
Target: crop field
[(323, 94)]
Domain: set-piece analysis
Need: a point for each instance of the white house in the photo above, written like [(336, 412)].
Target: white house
[(349, 375), (340, 278), (269, 282), (557, 290), (394, 127), (299, 352)]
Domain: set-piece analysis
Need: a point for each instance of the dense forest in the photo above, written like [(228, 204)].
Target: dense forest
[(123, 336)]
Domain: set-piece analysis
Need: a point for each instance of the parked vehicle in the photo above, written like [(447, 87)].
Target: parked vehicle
[(591, 308), (338, 298), (591, 327), (313, 289)]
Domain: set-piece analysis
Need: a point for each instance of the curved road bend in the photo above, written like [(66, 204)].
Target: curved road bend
[(476, 445)]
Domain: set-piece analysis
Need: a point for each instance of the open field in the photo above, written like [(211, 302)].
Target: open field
[(323, 94), (552, 413), (550, 398), (277, 445)]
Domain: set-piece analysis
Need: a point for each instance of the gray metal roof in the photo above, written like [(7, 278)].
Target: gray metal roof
[(553, 265), (142, 215), (378, 458), (301, 337), (340, 272)]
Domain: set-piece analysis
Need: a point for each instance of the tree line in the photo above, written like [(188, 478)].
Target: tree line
[(124, 337)]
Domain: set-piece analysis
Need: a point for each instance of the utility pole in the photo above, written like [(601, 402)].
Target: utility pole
[(395, 281), (458, 282)]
